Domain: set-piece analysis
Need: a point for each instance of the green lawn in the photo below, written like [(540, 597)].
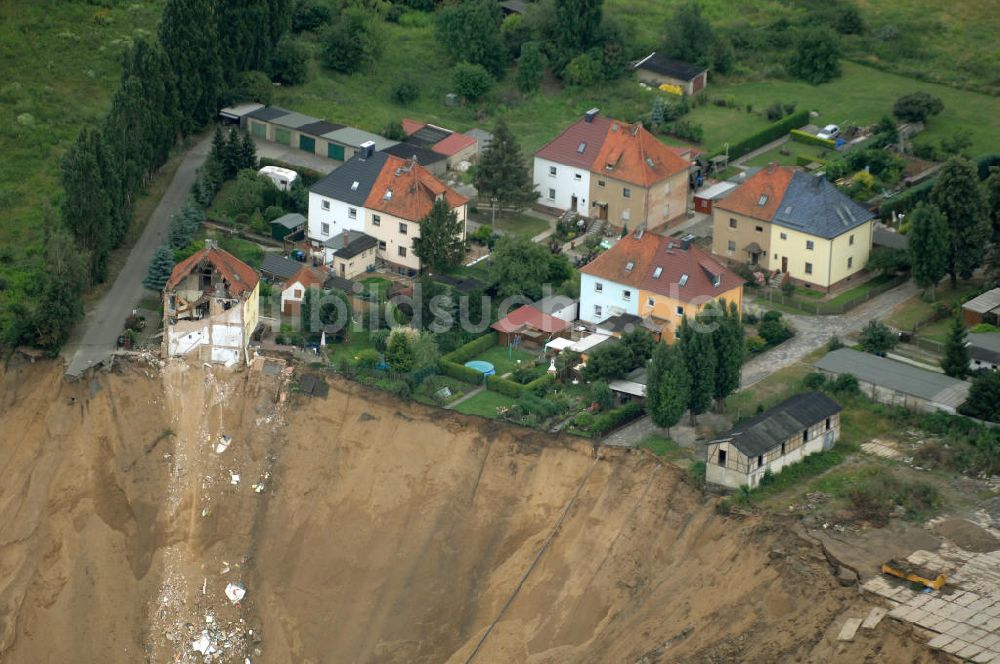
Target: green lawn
[(60, 65), (505, 360), (357, 342), (861, 289), (794, 150), (917, 310), (248, 252), (514, 223), (727, 125), (378, 286), (863, 94), (666, 448), (484, 404)]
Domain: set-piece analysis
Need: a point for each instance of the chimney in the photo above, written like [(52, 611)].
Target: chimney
[(209, 243), (771, 166), (347, 238), (591, 114), (367, 149)]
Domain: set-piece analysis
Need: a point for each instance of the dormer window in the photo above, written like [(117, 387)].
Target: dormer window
[(762, 201), (629, 266), (716, 280), (683, 280), (657, 272)]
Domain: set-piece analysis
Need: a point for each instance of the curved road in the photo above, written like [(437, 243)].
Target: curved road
[(94, 341)]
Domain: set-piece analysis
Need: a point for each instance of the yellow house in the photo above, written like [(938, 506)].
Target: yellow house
[(819, 236), (658, 279)]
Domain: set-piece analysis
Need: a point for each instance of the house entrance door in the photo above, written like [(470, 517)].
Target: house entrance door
[(784, 263), (572, 203)]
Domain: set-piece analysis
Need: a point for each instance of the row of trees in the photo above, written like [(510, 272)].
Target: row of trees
[(168, 88), (952, 232), (703, 367)]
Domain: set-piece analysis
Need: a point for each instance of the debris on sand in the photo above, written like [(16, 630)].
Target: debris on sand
[(235, 592), (223, 444)]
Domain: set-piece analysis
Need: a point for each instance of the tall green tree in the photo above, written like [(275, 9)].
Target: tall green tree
[(441, 245), (667, 386), (146, 63), (929, 246), (917, 107), (698, 350), (876, 337), (503, 176), (577, 24), (991, 192), (190, 39), (816, 57), (399, 351), (243, 36), (86, 208), (353, 43), (955, 362), (958, 195), (521, 266), (689, 35), (470, 31), (728, 337), (59, 302), (530, 67)]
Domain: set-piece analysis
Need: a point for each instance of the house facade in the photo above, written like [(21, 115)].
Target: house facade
[(210, 307), (294, 290), (797, 224), (781, 436), (658, 279), (607, 169)]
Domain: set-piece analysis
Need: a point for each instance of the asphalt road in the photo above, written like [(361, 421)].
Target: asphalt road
[(94, 341)]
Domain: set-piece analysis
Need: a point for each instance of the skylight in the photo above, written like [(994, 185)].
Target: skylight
[(354, 186), (649, 161), (629, 266), (683, 281), (788, 209), (657, 272), (388, 194), (580, 148), (763, 200)]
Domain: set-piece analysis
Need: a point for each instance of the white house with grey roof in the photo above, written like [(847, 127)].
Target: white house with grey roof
[(337, 202), (801, 425)]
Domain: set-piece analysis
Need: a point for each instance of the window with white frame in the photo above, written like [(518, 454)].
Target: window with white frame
[(651, 302), (626, 192), (325, 204), (626, 295), (402, 228), (809, 268), (376, 220), (324, 228), (577, 177), (552, 194), (732, 245), (381, 245), (552, 171), (402, 251), (597, 310), (598, 287), (352, 213), (680, 310), (810, 245)]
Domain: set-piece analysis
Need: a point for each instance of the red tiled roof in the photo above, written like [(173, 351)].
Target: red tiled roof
[(565, 148), (414, 190), (308, 276), (770, 181), (632, 154), (531, 317), (453, 144), (240, 277), (411, 126), (652, 252)]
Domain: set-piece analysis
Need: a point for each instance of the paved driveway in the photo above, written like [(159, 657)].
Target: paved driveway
[(95, 338)]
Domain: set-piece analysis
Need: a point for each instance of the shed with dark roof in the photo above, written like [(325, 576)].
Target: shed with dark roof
[(432, 161), (657, 70), (780, 436)]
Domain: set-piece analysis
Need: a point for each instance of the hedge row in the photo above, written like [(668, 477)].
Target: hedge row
[(800, 136), (909, 199), (463, 354), (805, 160), (460, 372), (607, 421), (770, 133), (513, 389)]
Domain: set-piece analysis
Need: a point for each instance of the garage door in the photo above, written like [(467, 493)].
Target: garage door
[(334, 151), (258, 130), (283, 135), (306, 143)]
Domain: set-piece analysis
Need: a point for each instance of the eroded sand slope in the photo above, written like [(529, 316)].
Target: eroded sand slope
[(387, 532)]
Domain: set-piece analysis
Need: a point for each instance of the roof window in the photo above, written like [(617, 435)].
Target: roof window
[(629, 266), (683, 280), (388, 195), (354, 185), (763, 200), (580, 148), (649, 162), (657, 272)]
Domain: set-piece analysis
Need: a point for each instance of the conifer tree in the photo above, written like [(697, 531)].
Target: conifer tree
[(929, 246), (667, 386), (955, 362), (399, 351), (440, 245), (190, 40), (248, 153), (86, 210), (502, 175), (59, 303), (959, 196), (698, 350), (160, 268), (730, 349)]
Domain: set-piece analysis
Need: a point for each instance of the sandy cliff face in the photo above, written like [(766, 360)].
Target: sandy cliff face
[(383, 532)]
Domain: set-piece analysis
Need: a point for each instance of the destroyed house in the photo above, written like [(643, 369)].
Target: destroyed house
[(210, 307)]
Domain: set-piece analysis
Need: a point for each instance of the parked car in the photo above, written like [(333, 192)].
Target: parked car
[(829, 132)]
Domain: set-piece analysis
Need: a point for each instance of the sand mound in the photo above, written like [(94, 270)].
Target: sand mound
[(968, 535), (385, 532)]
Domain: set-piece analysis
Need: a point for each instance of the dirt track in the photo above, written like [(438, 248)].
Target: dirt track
[(385, 532)]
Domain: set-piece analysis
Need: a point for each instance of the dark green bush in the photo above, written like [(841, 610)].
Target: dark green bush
[(814, 380), (768, 134)]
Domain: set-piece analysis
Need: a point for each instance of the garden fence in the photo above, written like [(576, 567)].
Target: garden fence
[(830, 308)]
